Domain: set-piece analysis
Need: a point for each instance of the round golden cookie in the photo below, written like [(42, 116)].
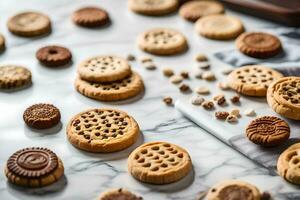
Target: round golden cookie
[(103, 69), (153, 7), (12, 76), (233, 190), (258, 45), (102, 130), (29, 24), (283, 97), (2, 43), (126, 88), (159, 163), (119, 194), (34, 167), (219, 27), (288, 164), (193, 10), (252, 80), (162, 41)]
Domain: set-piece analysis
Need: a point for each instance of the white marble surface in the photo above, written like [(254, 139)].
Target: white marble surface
[(87, 175)]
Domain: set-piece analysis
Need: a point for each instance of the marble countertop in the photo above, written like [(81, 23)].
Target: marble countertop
[(87, 174)]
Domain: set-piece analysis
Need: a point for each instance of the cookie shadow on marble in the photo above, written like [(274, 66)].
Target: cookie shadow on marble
[(32, 132)]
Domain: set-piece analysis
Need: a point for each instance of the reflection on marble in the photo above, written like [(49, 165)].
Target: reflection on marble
[(87, 174)]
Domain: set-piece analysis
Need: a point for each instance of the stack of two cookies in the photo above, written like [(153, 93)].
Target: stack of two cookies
[(108, 78)]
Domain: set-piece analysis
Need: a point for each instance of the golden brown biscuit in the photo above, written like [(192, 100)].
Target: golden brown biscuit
[(119, 194), (90, 17), (13, 76), (153, 7)]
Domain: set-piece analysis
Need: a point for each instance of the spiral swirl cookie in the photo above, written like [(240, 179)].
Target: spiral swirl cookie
[(288, 164), (54, 56), (90, 17), (153, 7), (159, 163), (34, 167), (233, 190), (102, 130), (268, 131), (162, 41), (119, 194), (126, 88), (101, 69), (283, 97), (12, 76), (252, 80), (258, 45), (219, 27), (29, 24)]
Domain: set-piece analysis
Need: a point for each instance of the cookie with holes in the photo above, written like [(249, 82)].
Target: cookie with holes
[(102, 130), (14, 76), (283, 97), (126, 88), (162, 41), (102, 69), (159, 163), (268, 131), (34, 167), (153, 7), (54, 56), (252, 80), (233, 189), (119, 194), (288, 164)]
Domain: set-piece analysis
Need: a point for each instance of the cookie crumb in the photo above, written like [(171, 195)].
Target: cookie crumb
[(184, 74), (176, 79), (235, 112), (198, 74), (146, 59), (208, 105), (184, 88), (168, 72), (221, 115), (201, 57), (223, 86), (220, 99), (202, 90), (130, 57), (204, 65), (227, 71), (197, 100), (235, 99), (120, 190), (249, 112), (150, 66), (209, 76), (168, 100), (265, 196), (231, 118)]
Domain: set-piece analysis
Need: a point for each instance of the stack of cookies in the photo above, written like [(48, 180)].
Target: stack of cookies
[(108, 78)]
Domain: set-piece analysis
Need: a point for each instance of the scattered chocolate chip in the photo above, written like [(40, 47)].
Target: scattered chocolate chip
[(168, 100), (208, 105), (220, 99), (184, 74), (265, 196), (235, 99), (184, 88), (222, 115), (130, 57)]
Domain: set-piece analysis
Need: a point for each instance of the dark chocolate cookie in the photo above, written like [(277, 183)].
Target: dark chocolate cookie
[(54, 56)]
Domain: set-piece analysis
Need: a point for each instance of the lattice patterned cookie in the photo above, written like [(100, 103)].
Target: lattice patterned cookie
[(252, 80), (283, 97), (12, 76), (153, 7), (288, 164), (102, 69), (102, 130), (113, 91), (159, 163), (162, 41)]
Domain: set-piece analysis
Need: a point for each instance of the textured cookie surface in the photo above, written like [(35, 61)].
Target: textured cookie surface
[(119, 194), (193, 10), (54, 56), (233, 190), (162, 41), (41, 116), (29, 24), (12, 76), (288, 164), (159, 163), (252, 80), (268, 131), (258, 45), (34, 167), (102, 130), (153, 7), (2, 43), (90, 17), (219, 27), (126, 88), (102, 69), (283, 97)]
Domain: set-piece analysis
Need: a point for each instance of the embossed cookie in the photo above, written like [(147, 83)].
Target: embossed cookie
[(34, 167), (119, 194), (2, 43), (102, 69), (126, 88), (268, 131), (162, 41), (102, 130), (193, 10), (41, 116), (258, 44), (252, 80), (90, 17), (288, 164), (12, 76), (54, 56), (153, 7), (159, 163), (283, 97), (219, 27), (29, 24), (233, 190)]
